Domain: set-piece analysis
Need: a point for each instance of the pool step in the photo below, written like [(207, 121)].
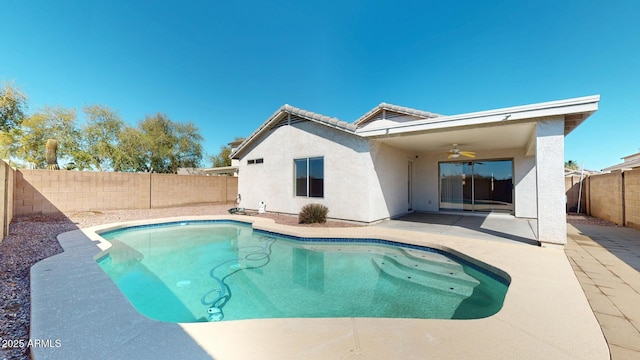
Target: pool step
[(424, 273), (412, 257)]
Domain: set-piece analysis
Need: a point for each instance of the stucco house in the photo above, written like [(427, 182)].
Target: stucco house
[(394, 160), (629, 162)]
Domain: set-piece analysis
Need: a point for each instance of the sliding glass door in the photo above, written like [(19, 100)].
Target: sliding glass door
[(477, 185)]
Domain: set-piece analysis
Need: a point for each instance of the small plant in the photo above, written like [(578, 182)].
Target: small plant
[(313, 213)]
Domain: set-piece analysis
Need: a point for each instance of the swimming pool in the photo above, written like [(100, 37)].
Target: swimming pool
[(195, 271)]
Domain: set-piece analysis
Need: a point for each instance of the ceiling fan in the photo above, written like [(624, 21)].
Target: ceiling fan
[(455, 153)]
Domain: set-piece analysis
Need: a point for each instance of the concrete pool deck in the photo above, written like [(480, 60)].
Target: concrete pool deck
[(545, 314), (606, 260)]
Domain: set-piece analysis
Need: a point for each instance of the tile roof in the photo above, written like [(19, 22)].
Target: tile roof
[(326, 120), (395, 108), (627, 165), (278, 116)]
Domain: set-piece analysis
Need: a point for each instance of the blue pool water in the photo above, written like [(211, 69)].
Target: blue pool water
[(223, 270)]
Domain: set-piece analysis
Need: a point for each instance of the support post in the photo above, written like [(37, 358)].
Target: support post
[(552, 217)]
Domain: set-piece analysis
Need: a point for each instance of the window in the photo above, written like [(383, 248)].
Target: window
[(255, 161), (309, 173)]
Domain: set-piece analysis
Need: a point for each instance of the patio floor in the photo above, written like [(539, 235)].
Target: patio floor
[(484, 226)]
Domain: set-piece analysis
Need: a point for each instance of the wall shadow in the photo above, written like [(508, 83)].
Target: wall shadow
[(622, 242), (507, 228)]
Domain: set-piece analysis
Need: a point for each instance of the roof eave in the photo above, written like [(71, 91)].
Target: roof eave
[(585, 105), (331, 122), (394, 108)]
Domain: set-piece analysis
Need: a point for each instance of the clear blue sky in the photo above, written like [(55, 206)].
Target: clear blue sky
[(228, 65)]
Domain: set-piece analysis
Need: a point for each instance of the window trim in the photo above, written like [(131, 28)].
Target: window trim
[(307, 177)]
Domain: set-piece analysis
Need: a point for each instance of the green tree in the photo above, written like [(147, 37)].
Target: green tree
[(571, 165), (132, 152), (49, 123), (159, 145), (188, 148), (13, 105), (222, 158), (101, 133)]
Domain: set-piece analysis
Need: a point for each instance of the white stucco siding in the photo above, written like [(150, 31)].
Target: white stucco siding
[(552, 225), (388, 183), (346, 167), (524, 180), (426, 181)]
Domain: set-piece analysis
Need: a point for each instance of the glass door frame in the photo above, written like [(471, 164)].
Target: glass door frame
[(469, 180)]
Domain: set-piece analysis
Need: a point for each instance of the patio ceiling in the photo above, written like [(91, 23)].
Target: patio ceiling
[(472, 139), (507, 128)]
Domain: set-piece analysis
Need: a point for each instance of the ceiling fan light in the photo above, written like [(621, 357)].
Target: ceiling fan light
[(455, 155)]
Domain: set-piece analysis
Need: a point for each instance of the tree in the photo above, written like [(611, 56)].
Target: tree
[(159, 145), (222, 158), (188, 146), (101, 133), (132, 152), (571, 165), (49, 123), (13, 105)]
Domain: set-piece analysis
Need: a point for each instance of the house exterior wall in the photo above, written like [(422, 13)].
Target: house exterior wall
[(552, 225), (426, 182), (347, 166), (388, 181), (525, 183)]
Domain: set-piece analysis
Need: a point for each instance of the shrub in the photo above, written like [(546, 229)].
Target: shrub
[(313, 213)]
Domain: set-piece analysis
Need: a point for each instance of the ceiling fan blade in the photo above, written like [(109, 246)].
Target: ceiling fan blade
[(469, 154)]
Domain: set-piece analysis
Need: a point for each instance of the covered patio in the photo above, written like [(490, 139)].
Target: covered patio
[(508, 160), (481, 226)]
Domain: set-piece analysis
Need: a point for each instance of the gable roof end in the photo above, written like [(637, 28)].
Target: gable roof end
[(284, 111), (393, 108)]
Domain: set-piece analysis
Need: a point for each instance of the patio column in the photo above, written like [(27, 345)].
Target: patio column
[(552, 223)]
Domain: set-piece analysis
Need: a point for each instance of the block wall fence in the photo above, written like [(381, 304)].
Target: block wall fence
[(36, 192), (614, 196), (7, 178)]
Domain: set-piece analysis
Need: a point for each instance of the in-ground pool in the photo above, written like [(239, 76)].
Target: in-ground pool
[(215, 270)]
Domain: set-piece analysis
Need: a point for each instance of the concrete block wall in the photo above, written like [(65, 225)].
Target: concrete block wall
[(53, 191), (632, 198), (572, 188), (175, 190), (7, 175), (605, 193)]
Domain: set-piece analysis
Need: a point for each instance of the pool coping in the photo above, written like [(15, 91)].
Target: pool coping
[(75, 302)]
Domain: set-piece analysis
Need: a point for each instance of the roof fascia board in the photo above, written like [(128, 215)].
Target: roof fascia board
[(265, 125), (587, 104), (393, 108), (289, 110)]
